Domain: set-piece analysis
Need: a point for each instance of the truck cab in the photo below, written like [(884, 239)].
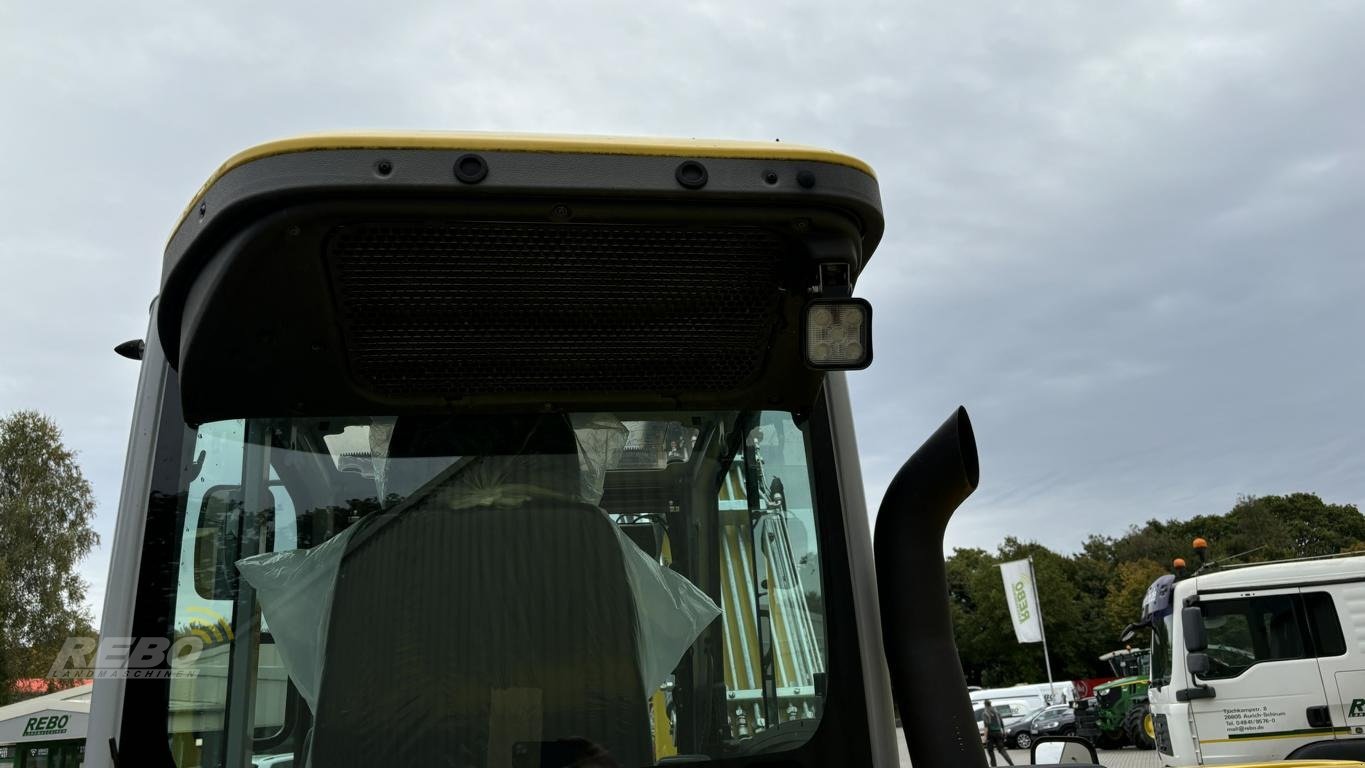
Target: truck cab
[(1259, 662)]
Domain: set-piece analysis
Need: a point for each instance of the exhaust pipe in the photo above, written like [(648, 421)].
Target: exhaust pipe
[(917, 628)]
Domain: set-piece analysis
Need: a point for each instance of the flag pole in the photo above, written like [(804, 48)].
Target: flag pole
[(1042, 630)]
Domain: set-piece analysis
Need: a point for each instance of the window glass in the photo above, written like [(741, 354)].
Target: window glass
[(1285, 637), (214, 520), (1161, 651), (767, 538), (1246, 631), (711, 541), (1325, 624), (350, 449)]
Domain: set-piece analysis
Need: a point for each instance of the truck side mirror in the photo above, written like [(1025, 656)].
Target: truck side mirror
[(217, 543), (1128, 633), (1062, 750), (1192, 626), (1197, 663)]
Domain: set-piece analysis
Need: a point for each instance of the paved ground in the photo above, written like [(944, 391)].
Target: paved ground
[(1110, 758)]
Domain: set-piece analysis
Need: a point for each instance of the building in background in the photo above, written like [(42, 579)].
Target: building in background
[(46, 731)]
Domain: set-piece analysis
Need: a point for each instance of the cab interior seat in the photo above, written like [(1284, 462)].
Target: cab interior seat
[(505, 624)]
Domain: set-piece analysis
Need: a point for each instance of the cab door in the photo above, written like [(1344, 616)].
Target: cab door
[(1330, 608), (1264, 677)]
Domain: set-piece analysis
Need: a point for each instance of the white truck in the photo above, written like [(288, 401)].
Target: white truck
[(1259, 662)]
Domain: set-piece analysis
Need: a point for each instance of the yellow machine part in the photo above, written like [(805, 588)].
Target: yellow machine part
[(664, 743), (545, 143), (1301, 764), (795, 657), (743, 663)]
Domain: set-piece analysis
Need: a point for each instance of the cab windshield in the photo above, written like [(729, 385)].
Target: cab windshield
[(495, 590)]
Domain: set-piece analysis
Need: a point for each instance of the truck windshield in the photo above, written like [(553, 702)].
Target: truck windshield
[(494, 590)]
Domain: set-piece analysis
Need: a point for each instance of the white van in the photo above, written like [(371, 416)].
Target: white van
[(1039, 695), (1011, 710)]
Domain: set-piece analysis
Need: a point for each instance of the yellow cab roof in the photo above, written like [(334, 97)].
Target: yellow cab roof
[(530, 142)]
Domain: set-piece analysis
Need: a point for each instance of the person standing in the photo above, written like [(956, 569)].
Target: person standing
[(995, 734)]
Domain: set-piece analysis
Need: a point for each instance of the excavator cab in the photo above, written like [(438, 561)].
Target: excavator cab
[(485, 450)]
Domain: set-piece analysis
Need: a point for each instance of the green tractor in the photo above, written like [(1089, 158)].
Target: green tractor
[(1125, 717)]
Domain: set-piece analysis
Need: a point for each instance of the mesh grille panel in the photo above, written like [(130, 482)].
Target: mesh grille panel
[(469, 308)]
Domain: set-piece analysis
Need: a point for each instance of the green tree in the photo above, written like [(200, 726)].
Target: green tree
[(1257, 528), (46, 508), (1123, 603), (1071, 592), (1089, 597)]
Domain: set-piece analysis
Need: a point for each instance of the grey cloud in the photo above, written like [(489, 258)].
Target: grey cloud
[(1125, 236), (1157, 311)]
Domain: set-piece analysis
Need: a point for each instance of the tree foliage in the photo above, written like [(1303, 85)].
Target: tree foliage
[(46, 509), (1127, 587), (1090, 596)]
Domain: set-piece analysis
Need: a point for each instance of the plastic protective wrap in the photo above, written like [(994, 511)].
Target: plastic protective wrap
[(295, 587), (672, 613), (295, 590), (601, 441)]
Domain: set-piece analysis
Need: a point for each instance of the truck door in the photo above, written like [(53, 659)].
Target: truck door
[(1263, 674), (1330, 608)]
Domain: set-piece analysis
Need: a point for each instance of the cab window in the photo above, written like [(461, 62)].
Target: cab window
[(1328, 639), (1247, 631), (704, 582)]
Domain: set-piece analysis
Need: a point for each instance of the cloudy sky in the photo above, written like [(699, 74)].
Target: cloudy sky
[(1128, 237)]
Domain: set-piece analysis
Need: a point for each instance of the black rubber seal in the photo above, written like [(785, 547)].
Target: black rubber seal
[(691, 174), (471, 169)]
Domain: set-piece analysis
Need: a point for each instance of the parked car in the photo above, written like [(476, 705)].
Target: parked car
[(1020, 733), (1053, 721)]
